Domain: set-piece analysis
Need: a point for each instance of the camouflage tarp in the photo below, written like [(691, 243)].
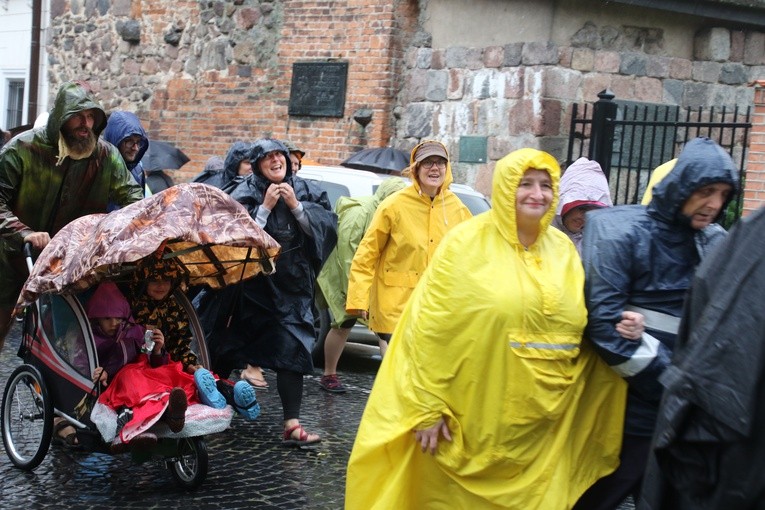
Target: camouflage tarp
[(207, 231)]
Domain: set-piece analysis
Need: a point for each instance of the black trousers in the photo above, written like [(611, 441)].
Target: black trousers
[(611, 490), (290, 388)]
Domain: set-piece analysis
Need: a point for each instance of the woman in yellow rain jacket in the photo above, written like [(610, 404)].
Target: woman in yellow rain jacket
[(401, 240), (487, 397)]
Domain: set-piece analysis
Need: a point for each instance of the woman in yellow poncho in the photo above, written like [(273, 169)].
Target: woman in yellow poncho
[(510, 409), (401, 240)]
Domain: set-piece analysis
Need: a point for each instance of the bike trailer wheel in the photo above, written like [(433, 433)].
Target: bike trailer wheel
[(189, 466), (27, 417)]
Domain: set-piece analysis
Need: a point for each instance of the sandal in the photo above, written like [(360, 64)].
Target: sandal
[(69, 440), (254, 381), (302, 440), (175, 415)]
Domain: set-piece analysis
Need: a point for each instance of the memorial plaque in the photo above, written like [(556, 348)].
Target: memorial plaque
[(473, 149), (318, 89)]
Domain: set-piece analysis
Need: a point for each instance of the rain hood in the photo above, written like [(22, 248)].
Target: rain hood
[(122, 125), (583, 183)]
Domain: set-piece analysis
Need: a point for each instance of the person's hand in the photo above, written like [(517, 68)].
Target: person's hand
[(100, 375), (193, 368), (288, 194), (159, 341), (428, 438), (631, 326), (38, 240), (273, 193), (358, 313)]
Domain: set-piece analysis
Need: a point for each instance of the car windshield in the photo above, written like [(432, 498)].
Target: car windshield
[(334, 191), (476, 204)]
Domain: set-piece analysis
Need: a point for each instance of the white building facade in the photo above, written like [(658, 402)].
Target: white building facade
[(15, 50)]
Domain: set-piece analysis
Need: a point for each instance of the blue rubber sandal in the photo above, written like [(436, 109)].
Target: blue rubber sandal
[(245, 401), (208, 390)]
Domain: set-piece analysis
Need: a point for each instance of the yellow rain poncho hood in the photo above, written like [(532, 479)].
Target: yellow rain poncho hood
[(490, 341)]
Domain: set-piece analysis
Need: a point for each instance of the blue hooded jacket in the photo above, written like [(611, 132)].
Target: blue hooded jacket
[(645, 257), (122, 125)]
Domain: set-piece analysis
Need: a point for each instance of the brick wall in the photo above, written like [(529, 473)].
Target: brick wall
[(205, 114), (754, 189), (205, 74)]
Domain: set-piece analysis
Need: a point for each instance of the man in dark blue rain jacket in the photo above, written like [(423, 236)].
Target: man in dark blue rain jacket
[(642, 259), (124, 131)]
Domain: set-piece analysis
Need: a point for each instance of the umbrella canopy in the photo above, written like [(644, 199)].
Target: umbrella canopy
[(383, 159), (20, 129), (163, 156), (208, 233)]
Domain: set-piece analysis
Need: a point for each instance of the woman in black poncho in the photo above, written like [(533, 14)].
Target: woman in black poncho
[(272, 322)]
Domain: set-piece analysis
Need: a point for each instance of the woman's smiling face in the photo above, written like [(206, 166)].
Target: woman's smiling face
[(273, 166), (431, 173), (534, 195)]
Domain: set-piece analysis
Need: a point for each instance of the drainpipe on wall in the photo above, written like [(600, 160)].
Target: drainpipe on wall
[(34, 61)]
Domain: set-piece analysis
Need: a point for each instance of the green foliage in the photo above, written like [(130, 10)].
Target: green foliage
[(736, 208)]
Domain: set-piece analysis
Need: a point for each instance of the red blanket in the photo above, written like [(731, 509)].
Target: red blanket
[(146, 391)]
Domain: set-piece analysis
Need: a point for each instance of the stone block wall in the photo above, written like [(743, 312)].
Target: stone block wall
[(521, 94), (205, 73)]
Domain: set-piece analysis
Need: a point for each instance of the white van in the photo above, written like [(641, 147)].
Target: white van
[(340, 181)]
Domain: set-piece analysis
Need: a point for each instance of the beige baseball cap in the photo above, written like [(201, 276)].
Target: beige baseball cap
[(426, 149)]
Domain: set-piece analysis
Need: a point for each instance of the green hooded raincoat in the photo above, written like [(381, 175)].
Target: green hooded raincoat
[(39, 193)]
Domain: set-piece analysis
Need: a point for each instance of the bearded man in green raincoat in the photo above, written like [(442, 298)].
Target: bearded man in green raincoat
[(52, 175)]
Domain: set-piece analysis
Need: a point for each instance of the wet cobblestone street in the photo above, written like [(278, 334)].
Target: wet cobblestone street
[(249, 468)]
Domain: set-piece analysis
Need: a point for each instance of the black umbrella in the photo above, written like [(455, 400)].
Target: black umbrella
[(20, 129), (382, 159), (163, 156)]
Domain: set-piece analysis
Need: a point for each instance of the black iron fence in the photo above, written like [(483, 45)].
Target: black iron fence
[(631, 139)]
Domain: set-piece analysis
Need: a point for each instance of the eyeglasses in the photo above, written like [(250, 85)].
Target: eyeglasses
[(131, 142), (437, 162)]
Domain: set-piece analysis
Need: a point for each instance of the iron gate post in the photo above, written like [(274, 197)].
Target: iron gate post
[(602, 135)]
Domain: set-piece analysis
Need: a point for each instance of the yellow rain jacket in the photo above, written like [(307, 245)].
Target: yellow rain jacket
[(397, 247), (659, 173), (490, 341)]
